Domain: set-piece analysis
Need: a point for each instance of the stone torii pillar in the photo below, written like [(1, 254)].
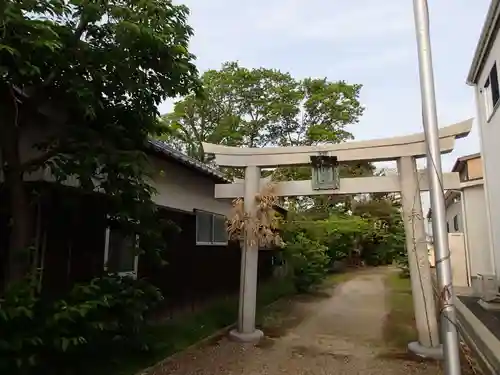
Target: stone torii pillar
[(246, 331), (418, 262), (409, 183)]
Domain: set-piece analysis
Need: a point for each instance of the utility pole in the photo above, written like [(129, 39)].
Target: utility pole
[(442, 252)]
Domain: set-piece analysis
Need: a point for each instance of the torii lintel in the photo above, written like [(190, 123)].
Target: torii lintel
[(373, 150)]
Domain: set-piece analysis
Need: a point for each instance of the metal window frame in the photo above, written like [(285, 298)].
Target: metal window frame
[(218, 243), (490, 106)]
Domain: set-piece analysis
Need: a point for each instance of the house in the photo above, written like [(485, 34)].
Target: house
[(74, 240), (478, 309), (483, 76), (465, 216)]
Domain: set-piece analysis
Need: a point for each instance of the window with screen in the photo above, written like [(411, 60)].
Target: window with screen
[(211, 229), (220, 229), (203, 227)]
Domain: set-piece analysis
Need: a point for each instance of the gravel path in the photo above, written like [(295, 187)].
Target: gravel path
[(341, 334)]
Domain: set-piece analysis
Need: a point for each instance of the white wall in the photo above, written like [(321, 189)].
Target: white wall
[(490, 136), (184, 189), (454, 209), (458, 259), (477, 230)]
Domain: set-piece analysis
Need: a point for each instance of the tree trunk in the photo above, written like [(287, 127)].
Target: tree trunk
[(18, 252)]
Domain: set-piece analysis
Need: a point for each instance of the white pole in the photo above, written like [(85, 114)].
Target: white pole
[(442, 251)]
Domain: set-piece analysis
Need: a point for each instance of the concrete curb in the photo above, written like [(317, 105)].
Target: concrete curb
[(484, 346), (479, 339)]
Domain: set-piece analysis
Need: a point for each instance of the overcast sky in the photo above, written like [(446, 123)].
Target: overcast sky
[(361, 41)]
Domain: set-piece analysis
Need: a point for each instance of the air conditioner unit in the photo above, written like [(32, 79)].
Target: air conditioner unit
[(488, 287)]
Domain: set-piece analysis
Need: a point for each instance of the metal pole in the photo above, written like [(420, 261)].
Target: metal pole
[(442, 252)]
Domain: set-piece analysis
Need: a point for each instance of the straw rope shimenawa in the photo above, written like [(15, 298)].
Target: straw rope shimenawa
[(265, 223)]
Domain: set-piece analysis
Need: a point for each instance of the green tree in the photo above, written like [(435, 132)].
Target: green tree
[(99, 69), (386, 241), (262, 107), (372, 231)]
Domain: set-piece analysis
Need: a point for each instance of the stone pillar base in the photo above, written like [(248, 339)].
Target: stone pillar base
[(433, 353), (491, 305), (251, 338)]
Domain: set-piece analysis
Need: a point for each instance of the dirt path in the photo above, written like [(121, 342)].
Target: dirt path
[(341, 333)]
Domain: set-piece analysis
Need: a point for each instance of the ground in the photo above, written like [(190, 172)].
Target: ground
[(339, 331)]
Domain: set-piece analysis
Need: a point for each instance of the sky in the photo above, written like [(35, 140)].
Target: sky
[(367, 42)]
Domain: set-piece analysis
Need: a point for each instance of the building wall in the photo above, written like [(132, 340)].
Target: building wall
[(489, 129), (454, 209), (477, 230), (31, 135), (474, 169), (178, 186), (184, 189), (458, 259), (472, 221)]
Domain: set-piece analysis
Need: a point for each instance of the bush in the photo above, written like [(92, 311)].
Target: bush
[(95, 321), (402, 263), (309, 261), (312, 244)]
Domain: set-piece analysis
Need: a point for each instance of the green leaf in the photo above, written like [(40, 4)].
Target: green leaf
[(64, 343), (9, 49), (103, 68)]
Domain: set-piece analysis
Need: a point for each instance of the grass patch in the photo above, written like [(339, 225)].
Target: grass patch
[(399, 327), (175, 335)]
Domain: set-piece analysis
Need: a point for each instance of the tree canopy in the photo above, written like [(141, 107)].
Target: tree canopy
[(262, 107), (97, 70)]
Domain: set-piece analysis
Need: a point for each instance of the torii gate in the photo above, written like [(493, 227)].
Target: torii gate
[(409, 183)]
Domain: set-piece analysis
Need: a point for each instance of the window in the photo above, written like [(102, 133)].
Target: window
[(211, 229), (466, 172), (120, 253), (455, 222), (491, 92), (448, 227)]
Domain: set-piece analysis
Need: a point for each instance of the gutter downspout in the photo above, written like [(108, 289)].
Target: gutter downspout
[(466, 239)]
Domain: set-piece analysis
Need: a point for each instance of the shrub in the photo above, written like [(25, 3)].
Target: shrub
[(310, 242), (402, 263), (309, 261), (95, 321)]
